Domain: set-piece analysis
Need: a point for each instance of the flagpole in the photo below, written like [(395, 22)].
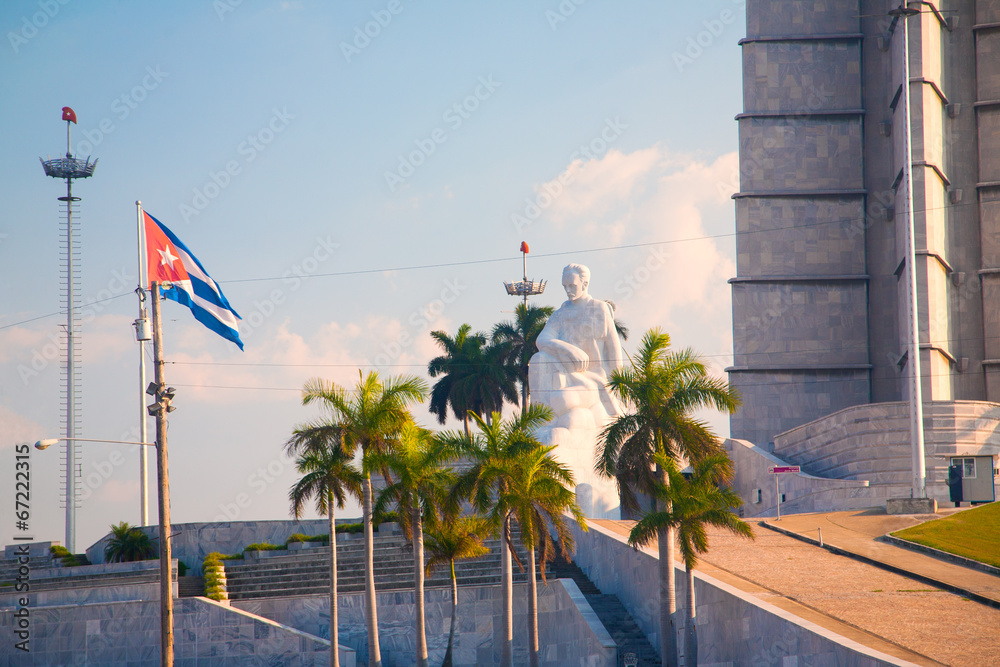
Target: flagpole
[(163, 489), (140, 331)]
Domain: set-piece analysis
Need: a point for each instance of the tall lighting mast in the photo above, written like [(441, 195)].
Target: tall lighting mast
[(70, 168)]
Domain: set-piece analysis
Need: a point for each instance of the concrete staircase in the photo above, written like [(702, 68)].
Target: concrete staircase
[(609, 609), (189, 587), (306, 572)]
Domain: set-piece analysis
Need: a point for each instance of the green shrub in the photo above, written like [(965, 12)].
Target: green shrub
[(59, 551), (297, 537), (385, 517), (351, 528), (182, 568), (214, 570), (263, 546)]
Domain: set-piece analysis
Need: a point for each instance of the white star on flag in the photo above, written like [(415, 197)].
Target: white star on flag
[(166, 259)]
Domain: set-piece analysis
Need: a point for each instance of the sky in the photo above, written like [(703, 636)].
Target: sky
[(355, 175)]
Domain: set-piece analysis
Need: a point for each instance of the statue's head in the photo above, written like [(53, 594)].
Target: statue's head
[(575, 280)]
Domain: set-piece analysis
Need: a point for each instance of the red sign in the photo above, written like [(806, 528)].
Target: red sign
[(777, 470)]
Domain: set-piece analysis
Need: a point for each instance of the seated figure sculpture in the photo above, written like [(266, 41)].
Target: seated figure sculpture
[(577, 351)]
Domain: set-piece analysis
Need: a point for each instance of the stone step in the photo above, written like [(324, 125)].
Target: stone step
[(188, 587), (612, 613)]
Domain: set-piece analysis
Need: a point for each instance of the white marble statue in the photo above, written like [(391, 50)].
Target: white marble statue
[(577, 351)]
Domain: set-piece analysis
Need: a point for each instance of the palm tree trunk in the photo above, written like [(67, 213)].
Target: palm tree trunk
[(465, 423), (454, 615), (532, 610), (668, 592), (418, 584), (507, 577), (691, 636), (334, 635), (371, 612)]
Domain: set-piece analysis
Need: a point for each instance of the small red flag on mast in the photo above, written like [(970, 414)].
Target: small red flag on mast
[(69, 114), (524, 247)]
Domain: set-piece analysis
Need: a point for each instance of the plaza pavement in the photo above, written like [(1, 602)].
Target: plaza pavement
[(903, 615)]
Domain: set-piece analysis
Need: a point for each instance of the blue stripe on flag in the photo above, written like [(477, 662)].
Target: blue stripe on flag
[(210, 292), (201, 288)]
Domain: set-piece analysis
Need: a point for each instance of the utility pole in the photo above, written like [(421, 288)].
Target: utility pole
[(160, 409)]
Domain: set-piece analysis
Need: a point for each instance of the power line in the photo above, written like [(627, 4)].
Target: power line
[(507, 259), (63, 312), (563, 253)]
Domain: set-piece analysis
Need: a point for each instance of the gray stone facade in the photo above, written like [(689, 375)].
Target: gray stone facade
[(568, 628), (819, 313)]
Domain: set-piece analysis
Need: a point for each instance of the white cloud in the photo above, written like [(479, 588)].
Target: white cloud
[(17, 428), (644, 197)]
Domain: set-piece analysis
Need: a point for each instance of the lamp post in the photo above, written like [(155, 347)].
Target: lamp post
[(166, 582), (919, 480)]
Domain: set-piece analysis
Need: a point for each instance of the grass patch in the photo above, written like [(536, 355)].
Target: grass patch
[(917, 590), (974, 534)]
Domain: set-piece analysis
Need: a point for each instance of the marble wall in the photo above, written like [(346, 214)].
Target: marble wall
[(191, 542), (206, 634), (734, 628), (109, 582), (569, 631), (803, 492)]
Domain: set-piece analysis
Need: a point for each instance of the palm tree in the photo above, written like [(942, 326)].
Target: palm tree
[(537, 496), (419, 464), (327, 475), (453, 366), (694, 503), (369, 417), (661, 389), (473, 376), (494, 453), (127, 544), (620, 327), (456, 539), (518, 338)]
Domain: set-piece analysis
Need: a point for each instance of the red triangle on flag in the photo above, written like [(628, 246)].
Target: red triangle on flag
[(163, 259)]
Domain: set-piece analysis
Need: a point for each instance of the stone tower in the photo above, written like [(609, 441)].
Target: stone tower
[(818, 300)]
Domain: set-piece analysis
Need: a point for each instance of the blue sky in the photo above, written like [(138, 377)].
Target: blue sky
[(287, 141)]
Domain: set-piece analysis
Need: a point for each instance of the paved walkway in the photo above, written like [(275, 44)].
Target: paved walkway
[(896, 614), (855, 533)]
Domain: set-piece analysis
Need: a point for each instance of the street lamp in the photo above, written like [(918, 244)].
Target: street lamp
[(166, 580), (45, 444), (919, 480)]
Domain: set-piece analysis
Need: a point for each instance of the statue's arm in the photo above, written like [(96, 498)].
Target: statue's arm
[(548, 341)]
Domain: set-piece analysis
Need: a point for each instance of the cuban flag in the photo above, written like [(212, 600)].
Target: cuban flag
[(169, 261)]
